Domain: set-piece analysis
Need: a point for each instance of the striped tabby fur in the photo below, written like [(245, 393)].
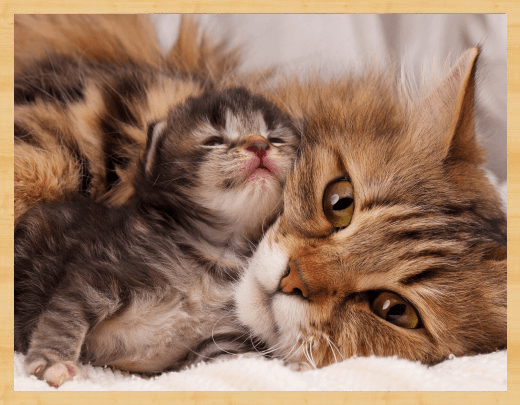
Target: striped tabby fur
[(148, 286), (86, 88), (426, 227), (142, 184)]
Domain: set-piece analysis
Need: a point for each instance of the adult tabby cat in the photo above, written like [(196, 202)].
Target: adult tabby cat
[(147, 286), (392, 240)]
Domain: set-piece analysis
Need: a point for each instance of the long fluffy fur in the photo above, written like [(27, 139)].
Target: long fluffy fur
[(427, 225), (142, 184), (86, 89)]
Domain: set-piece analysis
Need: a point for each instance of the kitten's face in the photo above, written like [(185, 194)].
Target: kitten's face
[(388, 244), (230, 152)]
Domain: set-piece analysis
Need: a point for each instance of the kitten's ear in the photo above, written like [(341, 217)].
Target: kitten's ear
[(153, 144), (449, 112)]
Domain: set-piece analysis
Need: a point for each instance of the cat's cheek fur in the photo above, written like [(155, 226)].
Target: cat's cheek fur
[(258, 284)]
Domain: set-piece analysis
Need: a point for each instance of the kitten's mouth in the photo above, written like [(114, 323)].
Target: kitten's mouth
[(261, 172), (262, 167)]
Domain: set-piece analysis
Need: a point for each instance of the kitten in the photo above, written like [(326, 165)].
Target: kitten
[(392, 240), (85, 89), (147, 286)]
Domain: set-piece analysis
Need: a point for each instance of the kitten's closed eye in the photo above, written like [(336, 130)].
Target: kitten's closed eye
[(276, 141), (214, 141)]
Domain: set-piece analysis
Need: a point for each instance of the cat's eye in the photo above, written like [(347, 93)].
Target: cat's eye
[(395, 309), (214, 141), (338, 203), (276, 140)]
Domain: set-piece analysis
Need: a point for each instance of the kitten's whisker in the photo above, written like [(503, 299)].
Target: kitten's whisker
[(306, 354), (266, 351), (310, 353)]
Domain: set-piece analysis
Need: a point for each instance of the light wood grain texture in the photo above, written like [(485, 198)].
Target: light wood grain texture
[(8, 8)]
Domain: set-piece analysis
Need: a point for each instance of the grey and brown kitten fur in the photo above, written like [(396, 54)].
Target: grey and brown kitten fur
[(86, 87), (147, 286)]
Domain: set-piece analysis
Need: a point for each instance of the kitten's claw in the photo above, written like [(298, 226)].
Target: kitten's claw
[(55, 374)]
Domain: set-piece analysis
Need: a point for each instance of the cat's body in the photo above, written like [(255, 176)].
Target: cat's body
[(148, 286), (392, 240)]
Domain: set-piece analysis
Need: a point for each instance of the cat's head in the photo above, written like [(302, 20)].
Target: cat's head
[(392, 241), (227, 153)]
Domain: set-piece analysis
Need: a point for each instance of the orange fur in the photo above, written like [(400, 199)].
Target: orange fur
[(427, 226), (58, 142)]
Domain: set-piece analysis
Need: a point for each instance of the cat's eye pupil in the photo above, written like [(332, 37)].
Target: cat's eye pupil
[(395, 312), (342, 204), (338, 203), (395, 309)]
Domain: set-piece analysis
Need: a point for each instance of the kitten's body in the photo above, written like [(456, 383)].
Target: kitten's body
[(387, 210), (148, 286)]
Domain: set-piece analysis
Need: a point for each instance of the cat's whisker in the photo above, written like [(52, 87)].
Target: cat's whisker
[(334, 348), (213, 334), (293, 349), (311, 353), (306, 353), (331, 342), (269, 350)]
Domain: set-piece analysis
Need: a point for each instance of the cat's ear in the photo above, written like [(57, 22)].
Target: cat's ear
[(449, 112), (153, 144)]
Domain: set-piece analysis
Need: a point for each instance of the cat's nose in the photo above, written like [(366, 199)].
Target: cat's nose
[(258, 145), (292, 283)]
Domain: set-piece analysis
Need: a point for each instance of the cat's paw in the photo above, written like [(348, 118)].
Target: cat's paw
[(54, 374)]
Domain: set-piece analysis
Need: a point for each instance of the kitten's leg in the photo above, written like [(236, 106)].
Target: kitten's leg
[(56, 342)]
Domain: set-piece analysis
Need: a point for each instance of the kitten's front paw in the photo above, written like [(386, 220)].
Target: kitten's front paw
[(54, 374)]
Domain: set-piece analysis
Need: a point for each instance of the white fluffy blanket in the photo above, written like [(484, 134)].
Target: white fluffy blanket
[(478, 373)]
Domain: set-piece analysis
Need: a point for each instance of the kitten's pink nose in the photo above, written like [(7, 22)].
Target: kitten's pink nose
[(258, 145), (292, 283)]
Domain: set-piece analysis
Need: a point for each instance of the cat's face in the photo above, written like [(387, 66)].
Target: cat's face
[(228, 153), (391, 241)]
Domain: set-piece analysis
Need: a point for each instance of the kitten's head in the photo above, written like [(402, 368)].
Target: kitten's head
[(392, 241), (227, 154)]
